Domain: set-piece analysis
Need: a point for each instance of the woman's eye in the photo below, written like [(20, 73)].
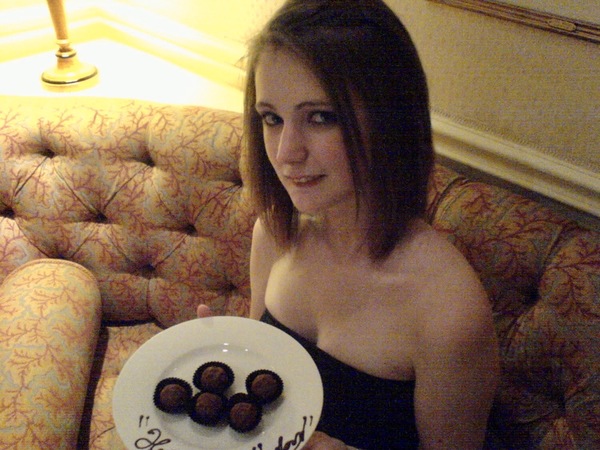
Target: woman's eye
[(270, 119), (324, 118)]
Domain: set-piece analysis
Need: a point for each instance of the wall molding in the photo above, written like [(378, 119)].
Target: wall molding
[(518, 164), (563, 24)]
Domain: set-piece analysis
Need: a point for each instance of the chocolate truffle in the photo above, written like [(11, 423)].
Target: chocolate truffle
[(264, 385), (207, 408), (172, 395), (243, 413), (213, 377)]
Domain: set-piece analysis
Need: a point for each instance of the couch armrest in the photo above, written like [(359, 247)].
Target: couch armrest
[(50, 313)]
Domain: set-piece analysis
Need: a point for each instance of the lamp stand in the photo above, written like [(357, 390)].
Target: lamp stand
[(68, 70)]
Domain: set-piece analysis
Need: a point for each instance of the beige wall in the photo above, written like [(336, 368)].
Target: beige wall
[(531, 86), (226, 19), (537, 89)]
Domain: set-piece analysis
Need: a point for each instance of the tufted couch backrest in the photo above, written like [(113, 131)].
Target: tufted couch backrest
[(542, 273), (148, 197), (151, 199)]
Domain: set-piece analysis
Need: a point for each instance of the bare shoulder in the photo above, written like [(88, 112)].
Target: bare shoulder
[(264, 245), (452, 300), (447, 270), (260, 236), (456, 352), (263, 254)]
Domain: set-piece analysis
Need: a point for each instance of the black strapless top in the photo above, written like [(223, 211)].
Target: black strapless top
[(362, 410)]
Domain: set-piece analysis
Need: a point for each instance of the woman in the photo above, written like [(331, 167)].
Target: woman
[(340, 155)]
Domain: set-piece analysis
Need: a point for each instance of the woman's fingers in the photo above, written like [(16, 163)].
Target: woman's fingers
[(203, 311), (320, 441)]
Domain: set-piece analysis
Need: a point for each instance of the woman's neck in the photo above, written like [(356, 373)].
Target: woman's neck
[(344, 235)]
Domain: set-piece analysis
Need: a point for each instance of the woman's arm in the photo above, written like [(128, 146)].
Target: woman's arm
[(456, 368)]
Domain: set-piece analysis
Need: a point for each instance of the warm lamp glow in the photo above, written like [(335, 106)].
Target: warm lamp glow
[(69, 70)]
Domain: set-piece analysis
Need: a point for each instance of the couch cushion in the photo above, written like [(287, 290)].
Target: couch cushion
[(49, 322), (116, 344)]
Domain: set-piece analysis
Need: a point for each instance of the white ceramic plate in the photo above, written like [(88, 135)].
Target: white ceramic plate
[(246, 345)]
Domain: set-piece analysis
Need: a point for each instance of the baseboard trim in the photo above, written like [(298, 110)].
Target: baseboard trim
[(524, 166)]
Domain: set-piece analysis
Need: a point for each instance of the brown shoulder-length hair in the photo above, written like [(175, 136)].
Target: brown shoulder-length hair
[(362, 54)]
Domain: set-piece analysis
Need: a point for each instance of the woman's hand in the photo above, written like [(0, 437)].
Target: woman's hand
[(321, 441), (204, 311)]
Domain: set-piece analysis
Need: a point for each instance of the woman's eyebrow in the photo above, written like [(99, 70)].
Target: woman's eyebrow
[(314, 104), (302, 105), (263, 105)]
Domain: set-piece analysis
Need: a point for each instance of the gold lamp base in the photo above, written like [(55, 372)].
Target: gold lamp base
[(68, 70)]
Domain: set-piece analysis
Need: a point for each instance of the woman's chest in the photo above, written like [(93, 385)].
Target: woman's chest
[(320, 286), (360, 316)]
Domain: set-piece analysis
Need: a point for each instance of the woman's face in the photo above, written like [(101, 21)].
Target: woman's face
[(302, 135)]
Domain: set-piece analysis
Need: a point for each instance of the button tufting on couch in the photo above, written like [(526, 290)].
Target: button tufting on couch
[(151, 200), (142, 195)]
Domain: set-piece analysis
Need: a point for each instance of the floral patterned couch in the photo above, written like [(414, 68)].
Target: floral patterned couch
[(118, 217)]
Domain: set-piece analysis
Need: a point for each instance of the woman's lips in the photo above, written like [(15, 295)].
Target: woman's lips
[(305, 180)]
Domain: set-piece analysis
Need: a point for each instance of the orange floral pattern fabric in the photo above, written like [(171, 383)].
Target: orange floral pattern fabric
[(49, 322), (542, 273), (152, 200), (148, 197), (117, 343)]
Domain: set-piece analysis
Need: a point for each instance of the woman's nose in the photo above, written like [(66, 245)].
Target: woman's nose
[(292, 146)]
